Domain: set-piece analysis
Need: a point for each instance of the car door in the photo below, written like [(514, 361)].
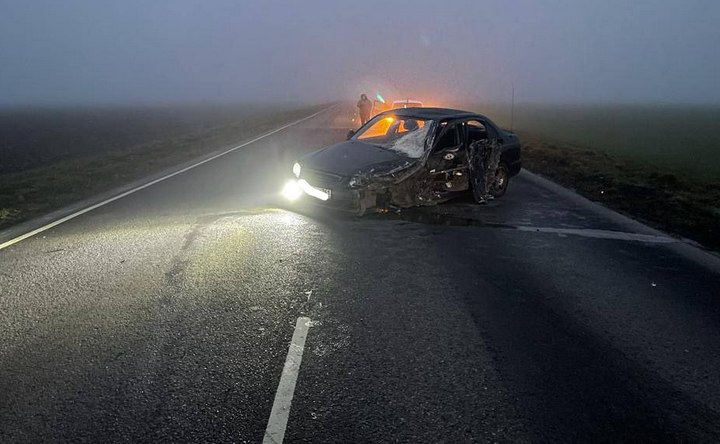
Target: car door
[(447, 163)]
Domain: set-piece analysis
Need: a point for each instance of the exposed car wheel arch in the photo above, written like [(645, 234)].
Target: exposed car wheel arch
[(502, 180)]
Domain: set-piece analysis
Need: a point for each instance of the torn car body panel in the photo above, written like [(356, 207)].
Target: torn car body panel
[(410, 157)]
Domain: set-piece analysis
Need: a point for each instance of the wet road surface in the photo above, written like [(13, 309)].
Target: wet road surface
[(167, 316)]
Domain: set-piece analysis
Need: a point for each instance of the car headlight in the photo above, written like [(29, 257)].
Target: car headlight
[(296, 169)]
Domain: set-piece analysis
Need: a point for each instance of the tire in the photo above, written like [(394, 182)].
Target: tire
[(502, 180)]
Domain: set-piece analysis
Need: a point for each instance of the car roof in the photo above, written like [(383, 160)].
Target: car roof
[(434, 113)]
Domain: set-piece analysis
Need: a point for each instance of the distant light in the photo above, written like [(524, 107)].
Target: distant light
[(296, 169), (292, 191), (379, 98)]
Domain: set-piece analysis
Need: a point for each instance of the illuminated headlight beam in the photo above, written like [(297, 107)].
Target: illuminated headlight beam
[(292, 191), (312, 191)]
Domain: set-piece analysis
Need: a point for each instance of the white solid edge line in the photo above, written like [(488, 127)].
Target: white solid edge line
[(601, 234), (275, 430), (151, 183)]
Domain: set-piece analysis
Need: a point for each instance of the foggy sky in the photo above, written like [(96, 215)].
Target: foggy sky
[(211, 50)]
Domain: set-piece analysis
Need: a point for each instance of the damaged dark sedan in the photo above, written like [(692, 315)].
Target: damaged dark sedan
[(404, 158)]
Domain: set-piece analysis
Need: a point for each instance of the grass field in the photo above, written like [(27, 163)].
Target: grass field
[(683, 139), (52, 158)]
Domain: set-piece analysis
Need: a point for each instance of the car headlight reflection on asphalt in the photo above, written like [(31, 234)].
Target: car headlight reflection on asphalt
[(296, 169), (292, 191)]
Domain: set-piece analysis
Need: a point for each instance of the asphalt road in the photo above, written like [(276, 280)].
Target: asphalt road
[(167, 316)]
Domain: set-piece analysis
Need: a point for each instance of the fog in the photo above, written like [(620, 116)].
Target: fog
[(567, 51)]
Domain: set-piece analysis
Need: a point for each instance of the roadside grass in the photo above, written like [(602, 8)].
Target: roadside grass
[(31, 193), (7, 214), (671, 201)]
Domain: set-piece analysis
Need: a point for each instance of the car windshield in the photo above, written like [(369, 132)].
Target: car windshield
[(405, 135)]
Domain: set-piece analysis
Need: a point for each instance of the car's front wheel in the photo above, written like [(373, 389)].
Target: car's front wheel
[(502, 179)]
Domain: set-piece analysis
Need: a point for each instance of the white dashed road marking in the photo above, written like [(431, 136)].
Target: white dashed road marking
[(275, 431)]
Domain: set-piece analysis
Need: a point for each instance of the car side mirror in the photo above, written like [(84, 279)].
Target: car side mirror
[(350, 133)]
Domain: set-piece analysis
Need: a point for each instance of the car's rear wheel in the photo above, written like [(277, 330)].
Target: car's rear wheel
[(502, 179)]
